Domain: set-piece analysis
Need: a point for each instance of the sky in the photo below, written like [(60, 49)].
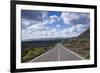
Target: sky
[(52, 24)]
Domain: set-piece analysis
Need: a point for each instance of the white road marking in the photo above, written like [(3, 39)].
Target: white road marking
[(72, 52), (41, 55), (58, 54)]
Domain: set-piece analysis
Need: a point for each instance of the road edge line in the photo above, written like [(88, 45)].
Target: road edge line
[(73, 53), (41, 55)]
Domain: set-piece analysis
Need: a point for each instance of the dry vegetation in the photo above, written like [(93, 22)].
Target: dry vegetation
[(80, 45), (33, 52)]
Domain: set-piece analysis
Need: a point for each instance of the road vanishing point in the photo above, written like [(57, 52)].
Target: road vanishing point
[(58, 53)]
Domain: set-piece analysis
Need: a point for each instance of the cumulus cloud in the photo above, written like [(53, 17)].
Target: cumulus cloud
[(67, 17), (57, 26), (37, 27), (75, 18), (75, 30), (26, 22), (44, 14), (53, 18), (38, 24), (53, 33), (39, 34), (78, 28)]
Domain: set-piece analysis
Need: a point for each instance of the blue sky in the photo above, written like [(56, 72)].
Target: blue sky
[(53, 24)]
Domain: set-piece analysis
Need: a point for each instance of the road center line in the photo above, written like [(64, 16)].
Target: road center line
[(58, 54)]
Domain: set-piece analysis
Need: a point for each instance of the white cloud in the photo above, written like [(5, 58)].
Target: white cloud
[(37, 30), (75, 30), (53, 18), (69, 17), (26, 22), (57, 26), (44, 14), (79, 27), (37, 27)]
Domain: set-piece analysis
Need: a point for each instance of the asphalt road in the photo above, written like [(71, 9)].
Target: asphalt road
[(58, 53)]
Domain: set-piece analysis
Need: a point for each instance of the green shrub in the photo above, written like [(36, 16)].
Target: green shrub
[(31, 53)]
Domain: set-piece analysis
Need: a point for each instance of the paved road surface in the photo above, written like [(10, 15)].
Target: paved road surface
[(58, 53)]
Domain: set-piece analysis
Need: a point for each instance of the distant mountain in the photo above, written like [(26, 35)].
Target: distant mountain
[(85, 34), (80, 44), (45, 39)]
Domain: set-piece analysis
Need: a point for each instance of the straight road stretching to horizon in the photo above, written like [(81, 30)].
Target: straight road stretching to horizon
[(58, 53)]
